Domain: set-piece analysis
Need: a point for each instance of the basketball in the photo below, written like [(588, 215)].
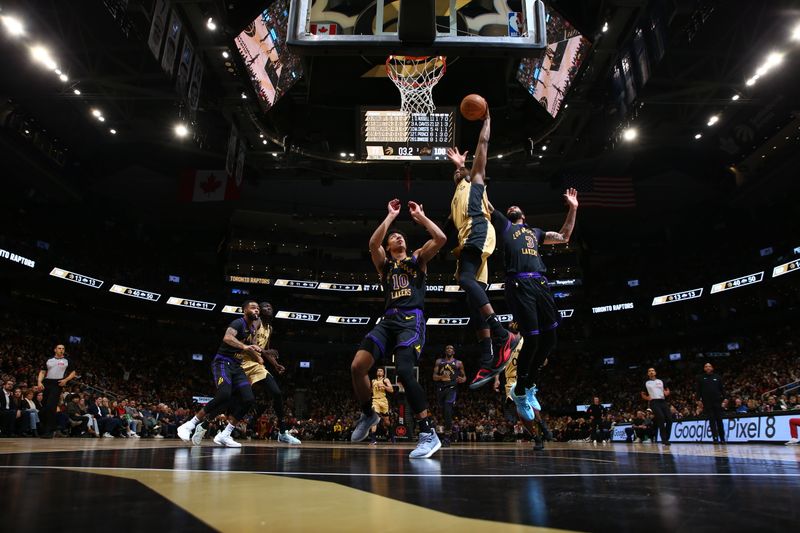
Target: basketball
[(473, 107)]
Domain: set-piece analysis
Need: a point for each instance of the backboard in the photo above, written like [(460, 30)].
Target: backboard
[(463, 28)]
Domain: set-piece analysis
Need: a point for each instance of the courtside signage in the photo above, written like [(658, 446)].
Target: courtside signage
[(463, 321), (293, 315), (135, 293), (232, 309), (193, 304), (678, 296), (297, 284), (352, 320), (736, 283), (16, 258), (76, 278), (343, 287), (791, 266)]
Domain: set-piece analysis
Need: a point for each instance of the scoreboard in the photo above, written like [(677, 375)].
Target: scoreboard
[(392, 135)]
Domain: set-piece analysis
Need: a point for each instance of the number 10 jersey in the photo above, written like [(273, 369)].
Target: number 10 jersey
[(403, 284)]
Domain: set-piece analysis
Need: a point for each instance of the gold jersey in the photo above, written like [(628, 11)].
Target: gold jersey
[(472, 218), (378, 392), (254, 370)]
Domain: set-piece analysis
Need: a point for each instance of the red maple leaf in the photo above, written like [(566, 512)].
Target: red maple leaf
[(211, 184), (322, 29)]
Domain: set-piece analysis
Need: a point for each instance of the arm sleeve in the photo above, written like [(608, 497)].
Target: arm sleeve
[(500, 223)]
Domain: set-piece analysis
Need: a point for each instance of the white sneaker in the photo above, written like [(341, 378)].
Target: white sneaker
[(134, 435), (185, 431), (199, 433), (286, 438), (108, 435), (793, 442), (158, 436), (226, 440)]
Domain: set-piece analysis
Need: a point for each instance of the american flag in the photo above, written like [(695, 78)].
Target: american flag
[(614, 193)]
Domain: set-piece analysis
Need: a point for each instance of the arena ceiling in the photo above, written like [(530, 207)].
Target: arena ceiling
[(711, 49)]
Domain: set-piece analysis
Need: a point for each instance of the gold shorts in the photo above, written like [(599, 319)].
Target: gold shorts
[(254, 371), (482, 275), (380, 406)]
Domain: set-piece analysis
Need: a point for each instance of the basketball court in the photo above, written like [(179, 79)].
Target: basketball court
[(334, 487)]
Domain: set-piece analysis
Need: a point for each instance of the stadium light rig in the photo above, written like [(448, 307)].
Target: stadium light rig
[(630, 134), (181, 130), (713, 119), (13, 25)]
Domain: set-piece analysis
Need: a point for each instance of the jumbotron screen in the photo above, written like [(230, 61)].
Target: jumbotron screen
[(393, 135), (548, 78), (273, 68)]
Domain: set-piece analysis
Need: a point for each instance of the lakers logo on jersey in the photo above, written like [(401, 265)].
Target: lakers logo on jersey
[(219, 381)]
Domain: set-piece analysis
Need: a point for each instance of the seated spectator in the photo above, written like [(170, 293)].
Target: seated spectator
[(78, 423)]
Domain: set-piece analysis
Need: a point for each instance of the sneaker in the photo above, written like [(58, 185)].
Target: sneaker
[(185, 432), (485, 375), (361, 431), (428, 444), (199, 433), (159, 436), (524, 409), (226, 440), (287, 438), (792, 442), (531, 394), (445, 442), (373, 443), (134, 435), (108, 435)]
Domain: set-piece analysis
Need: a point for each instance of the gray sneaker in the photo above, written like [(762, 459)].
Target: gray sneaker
[(199, 433), (361, 431), (428, 444)]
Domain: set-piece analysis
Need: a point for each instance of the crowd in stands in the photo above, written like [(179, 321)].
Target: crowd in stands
[(132, 383)]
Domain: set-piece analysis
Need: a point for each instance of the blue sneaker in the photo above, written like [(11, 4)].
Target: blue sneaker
[(531, 394), (524, 409), (361, 431), (428, 444), (288, 438)]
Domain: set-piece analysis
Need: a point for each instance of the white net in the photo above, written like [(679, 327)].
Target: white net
[(415, 77)]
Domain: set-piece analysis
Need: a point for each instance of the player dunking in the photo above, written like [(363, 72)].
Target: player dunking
[(229, 378), (380, 403), (528, 294), (448, 372), (402, 326), (469, 211)]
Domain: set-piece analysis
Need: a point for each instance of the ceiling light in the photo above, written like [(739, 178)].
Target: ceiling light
[(796, 33), (544, 148), (210, 24), (774, 59), (112, 131), (500, 156), (713, 119), (698, 135), (101, 118), (264, 141), (97, 113), (63, 77), (351, 154), (42, 55), (244, 96), (342, 154), (181, 130), (58, 71), (735, 97), (225, 54), (13, 26), (630, 134), (76, 91), (605, 27), (541, 157), (751, 82), (261, 135)]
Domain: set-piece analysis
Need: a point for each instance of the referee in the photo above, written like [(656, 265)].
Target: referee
[(657, 396), (51, 380)]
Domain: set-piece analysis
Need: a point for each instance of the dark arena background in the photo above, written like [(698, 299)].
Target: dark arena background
[(163, 162)]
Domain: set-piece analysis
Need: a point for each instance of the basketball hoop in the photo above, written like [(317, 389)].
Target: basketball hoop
[(415, 77)]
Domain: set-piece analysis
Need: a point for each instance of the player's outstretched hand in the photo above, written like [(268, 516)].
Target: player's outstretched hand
[(458, 159), (393, 207), (571, 197), (416, 210)]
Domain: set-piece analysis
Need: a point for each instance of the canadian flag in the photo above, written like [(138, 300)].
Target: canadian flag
[(207, 186), (323, 29)]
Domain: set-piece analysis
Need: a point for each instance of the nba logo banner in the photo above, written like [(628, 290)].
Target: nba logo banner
[(323, 29), (514, 24)]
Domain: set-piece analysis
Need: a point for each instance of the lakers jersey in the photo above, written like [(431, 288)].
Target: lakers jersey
[(469, 210), (403, 284), (448, 368)]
